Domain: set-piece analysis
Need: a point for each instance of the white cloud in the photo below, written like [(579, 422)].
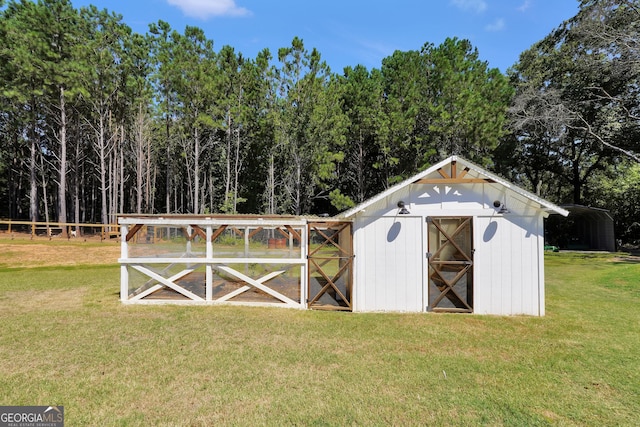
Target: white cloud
[(497, 25), (204, 9), (526, 5), (477, 6)]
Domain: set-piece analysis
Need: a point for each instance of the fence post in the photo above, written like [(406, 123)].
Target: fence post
[(124, 268), (209, 266)]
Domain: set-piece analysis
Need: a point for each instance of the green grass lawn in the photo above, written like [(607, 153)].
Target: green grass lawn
[(66, 340)]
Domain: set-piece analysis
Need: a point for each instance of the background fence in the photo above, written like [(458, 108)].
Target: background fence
[(65, 230)]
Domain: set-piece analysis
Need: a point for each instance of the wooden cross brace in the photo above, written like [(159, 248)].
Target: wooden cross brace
[(330, 282), (449, 287), (256, 283), (168, 282), (329, 239)]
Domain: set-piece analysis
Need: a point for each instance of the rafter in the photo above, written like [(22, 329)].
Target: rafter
[(454, 177)]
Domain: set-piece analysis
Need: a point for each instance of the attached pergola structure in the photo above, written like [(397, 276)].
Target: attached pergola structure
[(249, 260)]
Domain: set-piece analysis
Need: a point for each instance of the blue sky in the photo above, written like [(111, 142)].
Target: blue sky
[(351, 32)]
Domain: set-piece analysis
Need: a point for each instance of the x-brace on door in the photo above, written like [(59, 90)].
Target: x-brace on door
[(450, 264), (330, 266)]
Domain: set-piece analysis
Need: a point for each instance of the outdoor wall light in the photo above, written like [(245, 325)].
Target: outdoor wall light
[(403, 210), (502, 208)]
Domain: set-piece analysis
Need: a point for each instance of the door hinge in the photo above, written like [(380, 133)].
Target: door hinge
[(429, 255)]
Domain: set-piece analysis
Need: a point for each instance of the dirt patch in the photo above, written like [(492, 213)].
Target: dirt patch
[(30, 300), (630, 259), (21, 254)]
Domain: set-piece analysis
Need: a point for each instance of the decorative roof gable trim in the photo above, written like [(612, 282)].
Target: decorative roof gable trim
[(454, 178)]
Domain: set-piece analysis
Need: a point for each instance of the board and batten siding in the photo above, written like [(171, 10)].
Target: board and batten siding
[(389, 264), (508, 265), (508, 240), (391, 268)]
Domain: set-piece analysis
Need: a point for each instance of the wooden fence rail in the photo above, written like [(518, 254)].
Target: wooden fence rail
[(65, 229)]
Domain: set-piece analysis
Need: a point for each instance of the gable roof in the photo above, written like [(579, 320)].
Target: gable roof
[(488, 177)]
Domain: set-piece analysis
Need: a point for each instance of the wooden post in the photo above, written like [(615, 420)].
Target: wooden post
[(304, 268), (209, 267), (124, 272), (189, 231), (246, 242), (290, 244)]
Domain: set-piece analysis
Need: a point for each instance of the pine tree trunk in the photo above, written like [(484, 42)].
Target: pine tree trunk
[(271, 186), (120, 207), (196, 172), (44, 194), (298, 187), (76, 190), (33, 183), (227, 178), (62, 189), (112, 185), (236, 172), (103, 170), (168, 180), (139, 159)]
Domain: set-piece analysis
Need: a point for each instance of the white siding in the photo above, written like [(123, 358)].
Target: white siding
[(507, 275), (389, 264), (390, 274)]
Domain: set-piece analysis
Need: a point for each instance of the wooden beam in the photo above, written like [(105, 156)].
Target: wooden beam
[(295, 234), (330, 282), (245, 288), (205, 261), (166, 282), (256, 231), (283, 233), (454, 181), (327, 307), (133, 231), (451, 310), (443, 174), (152, 289), (454, 177), (218, 232), (186, 233), (257, 284), (199, 231)]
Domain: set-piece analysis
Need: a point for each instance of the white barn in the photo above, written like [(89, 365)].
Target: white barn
[(453, 238)]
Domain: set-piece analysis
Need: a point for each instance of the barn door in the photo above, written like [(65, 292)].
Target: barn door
[(450, 265), (330, 266)]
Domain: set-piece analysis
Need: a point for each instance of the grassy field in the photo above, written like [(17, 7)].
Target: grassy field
[(66, 340)]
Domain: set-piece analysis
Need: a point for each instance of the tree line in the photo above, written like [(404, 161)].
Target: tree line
[(96, 119)]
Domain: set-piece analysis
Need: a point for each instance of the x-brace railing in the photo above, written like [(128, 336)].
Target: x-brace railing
[(331, 282), (255, 283), (449, 287), (449, 239), (319, 262), (329, 239)]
